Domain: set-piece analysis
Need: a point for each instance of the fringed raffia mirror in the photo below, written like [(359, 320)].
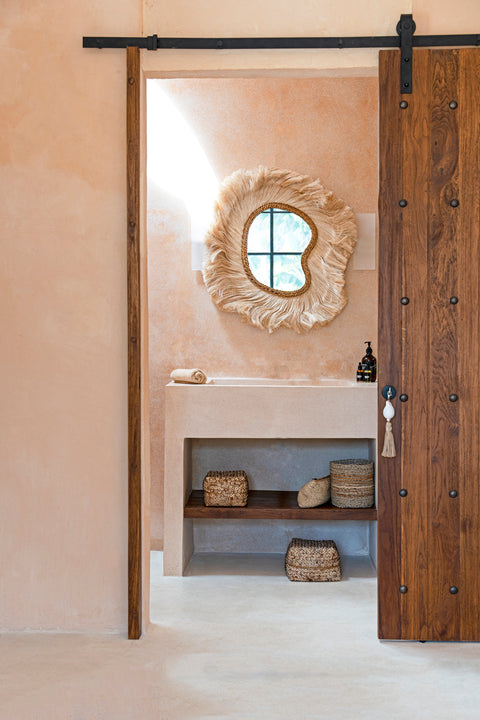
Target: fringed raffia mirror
[(278, 249)]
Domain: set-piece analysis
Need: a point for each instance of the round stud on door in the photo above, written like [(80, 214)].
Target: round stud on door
[(403, 203), (405, 300), (403, 104), (403, 397), (453, 397), (403, 492), (403, 589), (453, 590), (454, 202), (453, 300), (453, 105), (453, 493)]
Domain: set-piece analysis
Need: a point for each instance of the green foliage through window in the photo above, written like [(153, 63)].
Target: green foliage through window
[(276, 242)]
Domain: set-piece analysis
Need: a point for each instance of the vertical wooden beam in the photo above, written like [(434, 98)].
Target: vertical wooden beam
[(414, 508), (468, 320), (444, 241), (390, 343), (134, 349)]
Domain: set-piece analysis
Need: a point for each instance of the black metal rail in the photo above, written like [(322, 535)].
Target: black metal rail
[(406, 40), (153, 42)]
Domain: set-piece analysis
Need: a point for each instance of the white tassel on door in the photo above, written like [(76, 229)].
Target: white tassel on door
[(389, 442)]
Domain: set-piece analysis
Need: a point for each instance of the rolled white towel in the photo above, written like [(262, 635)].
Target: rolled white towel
[(192, 375)]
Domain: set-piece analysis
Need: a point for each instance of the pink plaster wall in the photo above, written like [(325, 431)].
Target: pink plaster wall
[(63, 454), (323, 127)]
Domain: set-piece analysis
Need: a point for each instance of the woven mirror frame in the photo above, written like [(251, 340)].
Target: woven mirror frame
[(226, 271)]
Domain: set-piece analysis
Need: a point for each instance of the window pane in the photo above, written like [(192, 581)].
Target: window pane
[(287, 272), (260, 267), (258, 239), (291, 233)]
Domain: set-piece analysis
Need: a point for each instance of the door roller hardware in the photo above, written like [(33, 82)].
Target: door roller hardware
[(405, 28)]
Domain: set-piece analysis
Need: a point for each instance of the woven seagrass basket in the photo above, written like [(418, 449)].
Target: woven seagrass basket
[(225, 488), (312, 561), (314, 493), (352, 484)]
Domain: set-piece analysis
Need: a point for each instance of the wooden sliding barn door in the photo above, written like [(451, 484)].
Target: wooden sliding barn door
[(429, 263)]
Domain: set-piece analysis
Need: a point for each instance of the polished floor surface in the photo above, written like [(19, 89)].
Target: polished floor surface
[(236, 639)]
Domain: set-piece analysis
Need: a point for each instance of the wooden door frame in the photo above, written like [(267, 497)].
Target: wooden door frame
[(135, 311), (138, 421)]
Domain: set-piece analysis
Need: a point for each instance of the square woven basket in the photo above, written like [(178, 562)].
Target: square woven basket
[(313, 561), (225, 488)]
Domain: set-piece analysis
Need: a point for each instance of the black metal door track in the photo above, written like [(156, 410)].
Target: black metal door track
[(405, 39)]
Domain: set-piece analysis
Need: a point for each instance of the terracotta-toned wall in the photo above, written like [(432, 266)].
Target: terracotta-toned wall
[(326, 128), (63, 513), (270, 18)]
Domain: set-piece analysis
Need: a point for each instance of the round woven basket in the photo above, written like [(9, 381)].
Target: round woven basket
[(352, 484)]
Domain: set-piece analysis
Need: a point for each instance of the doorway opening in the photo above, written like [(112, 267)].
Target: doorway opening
[(200, 130)]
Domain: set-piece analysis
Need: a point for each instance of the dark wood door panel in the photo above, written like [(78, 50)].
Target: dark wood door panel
[(429, 253)]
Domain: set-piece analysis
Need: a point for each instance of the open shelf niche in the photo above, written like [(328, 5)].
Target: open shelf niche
[(282, 436), (276, 469), (274, 505)]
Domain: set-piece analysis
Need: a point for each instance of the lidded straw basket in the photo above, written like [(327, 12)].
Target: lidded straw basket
[(225, 488), (312, 561)]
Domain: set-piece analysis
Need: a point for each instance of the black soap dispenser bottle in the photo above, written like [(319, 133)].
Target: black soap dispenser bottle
[(369, 364), (359, 373)]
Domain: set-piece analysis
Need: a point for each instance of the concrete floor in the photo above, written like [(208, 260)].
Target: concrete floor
[(236, 639)]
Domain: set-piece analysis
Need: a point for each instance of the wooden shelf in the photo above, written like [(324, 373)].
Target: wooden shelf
[(274, 505)]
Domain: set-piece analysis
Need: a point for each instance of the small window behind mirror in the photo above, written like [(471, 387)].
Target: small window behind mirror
[(276, 241)]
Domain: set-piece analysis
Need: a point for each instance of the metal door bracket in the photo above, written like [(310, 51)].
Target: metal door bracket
[(405, 28)]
